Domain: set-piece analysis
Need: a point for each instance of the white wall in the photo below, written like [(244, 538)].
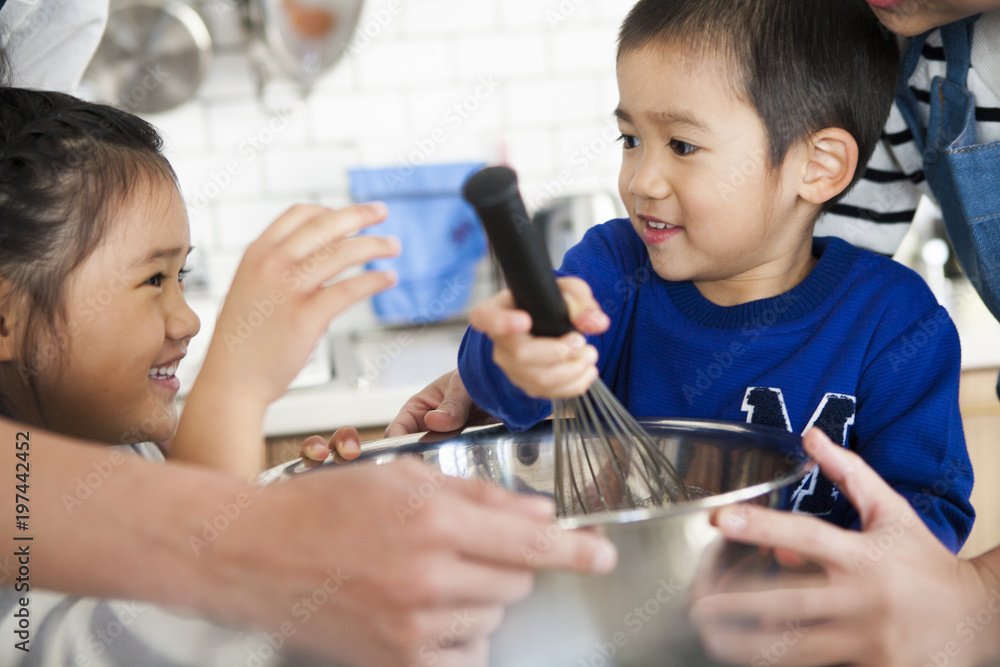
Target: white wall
[(526, 81)]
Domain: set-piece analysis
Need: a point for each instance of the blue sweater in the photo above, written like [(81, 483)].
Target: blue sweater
[(860, 349)]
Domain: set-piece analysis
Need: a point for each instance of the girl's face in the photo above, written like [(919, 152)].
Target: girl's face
[(912, 17), (111, 375)]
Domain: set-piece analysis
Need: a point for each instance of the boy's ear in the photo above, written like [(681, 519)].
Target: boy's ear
[(831, 160)]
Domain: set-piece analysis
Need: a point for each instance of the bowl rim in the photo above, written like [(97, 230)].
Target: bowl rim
[(804, 466)]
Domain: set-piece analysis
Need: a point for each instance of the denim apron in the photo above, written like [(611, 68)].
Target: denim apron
[(963, 175)]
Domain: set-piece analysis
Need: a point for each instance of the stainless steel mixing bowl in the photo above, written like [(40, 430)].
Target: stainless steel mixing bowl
[(637, 614)]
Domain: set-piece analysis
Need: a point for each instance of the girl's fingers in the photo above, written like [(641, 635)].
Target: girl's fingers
[(289, 221), (347, 443), (314, 451), (336, 298), (319, 235), (315, 271)]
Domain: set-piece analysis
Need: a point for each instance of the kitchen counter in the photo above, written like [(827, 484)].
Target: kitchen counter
[(374, 375), (376, 372)]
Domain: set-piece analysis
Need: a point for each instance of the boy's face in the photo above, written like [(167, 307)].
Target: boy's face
[(127, 327), (696, 182), (912, 17)]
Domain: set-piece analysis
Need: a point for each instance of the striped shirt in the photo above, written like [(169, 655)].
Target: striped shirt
[(877, 213)]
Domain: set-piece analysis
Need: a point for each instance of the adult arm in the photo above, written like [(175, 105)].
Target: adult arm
[(396, 573), (890, 595)]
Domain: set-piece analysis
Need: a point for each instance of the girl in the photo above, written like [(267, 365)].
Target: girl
[(93, 320), (93, 241)]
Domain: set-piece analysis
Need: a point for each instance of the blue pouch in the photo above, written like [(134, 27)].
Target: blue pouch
[(442, 240)]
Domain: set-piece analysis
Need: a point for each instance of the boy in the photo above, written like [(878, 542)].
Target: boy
[(717, 301)]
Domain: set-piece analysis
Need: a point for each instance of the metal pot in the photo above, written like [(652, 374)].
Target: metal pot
[(637, 614), (153, 56), (298, 39)]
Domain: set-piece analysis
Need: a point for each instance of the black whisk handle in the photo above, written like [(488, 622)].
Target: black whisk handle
[(519, 249)]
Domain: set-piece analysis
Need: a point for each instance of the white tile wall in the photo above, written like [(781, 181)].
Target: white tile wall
[(528, 81)]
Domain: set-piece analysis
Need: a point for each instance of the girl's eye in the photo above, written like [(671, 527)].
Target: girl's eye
[(156, 281), (629, 141), (682, 147)]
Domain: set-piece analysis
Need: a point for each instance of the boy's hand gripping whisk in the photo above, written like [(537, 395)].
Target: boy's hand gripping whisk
[(604, 459)]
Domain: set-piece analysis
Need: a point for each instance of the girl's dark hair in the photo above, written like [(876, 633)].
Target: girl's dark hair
[(65, 168), (804, 65)]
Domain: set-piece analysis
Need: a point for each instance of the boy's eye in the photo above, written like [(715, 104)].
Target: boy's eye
[(181, 274), (682, 147), (628, 141)]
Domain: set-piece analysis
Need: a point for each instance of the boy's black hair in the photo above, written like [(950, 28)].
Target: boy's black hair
[(65, 166), (804, 65)]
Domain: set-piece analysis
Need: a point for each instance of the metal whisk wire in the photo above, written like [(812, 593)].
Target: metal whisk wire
[(597, 442), (597, 445)]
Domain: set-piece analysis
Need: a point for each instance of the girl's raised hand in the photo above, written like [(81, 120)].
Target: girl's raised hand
[(288, 287), (284, 295), (544, 367)]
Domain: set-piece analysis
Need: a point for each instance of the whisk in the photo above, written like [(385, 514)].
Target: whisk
[(604, 460)]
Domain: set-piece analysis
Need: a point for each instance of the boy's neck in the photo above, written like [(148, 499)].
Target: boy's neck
[(763, 282)]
